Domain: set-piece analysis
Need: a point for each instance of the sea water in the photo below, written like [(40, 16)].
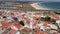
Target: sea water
[(51, 5)]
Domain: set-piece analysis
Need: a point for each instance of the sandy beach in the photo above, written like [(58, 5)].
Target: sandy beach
[(36, 6)]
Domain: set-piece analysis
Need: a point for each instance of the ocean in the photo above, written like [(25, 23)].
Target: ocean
[(51, 5)]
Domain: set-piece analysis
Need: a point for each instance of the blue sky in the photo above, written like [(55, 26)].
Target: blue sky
[(33, 0)]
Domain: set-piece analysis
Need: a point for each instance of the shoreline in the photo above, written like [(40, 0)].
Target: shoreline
[(37, 7)]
